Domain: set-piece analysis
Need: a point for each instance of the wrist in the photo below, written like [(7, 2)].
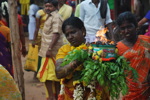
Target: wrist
[(73, 65), (49, 49), (33, 41)]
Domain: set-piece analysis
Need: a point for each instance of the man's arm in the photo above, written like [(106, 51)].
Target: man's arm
[(55, 38), (109, 24), (38, 18), (22, 36), (142, 21), (110, 33), (37, 28)]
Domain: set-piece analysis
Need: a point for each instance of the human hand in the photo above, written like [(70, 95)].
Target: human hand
[(49, 54), (33, 43), (24, 52), (75, 64)]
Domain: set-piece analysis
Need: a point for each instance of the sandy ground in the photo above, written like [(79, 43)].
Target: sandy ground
[(34, 90)]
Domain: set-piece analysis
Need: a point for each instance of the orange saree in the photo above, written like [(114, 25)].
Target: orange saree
[(139, 57)]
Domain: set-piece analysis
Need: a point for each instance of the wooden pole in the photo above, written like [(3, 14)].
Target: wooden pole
[(15, 46)]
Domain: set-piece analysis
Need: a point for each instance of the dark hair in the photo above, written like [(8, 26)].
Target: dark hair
[(54, 2), (1, 13), (6, 16), (32, 1), (126, 16), (73, 21), (46, 1)]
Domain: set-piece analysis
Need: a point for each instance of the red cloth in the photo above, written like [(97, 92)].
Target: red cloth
[(139, 57), (19, 20)]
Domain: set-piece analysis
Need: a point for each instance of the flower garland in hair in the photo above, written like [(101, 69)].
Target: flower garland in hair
[(4, 4)]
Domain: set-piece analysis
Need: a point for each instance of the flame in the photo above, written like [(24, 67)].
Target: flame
[(100, 36), (112, 42)]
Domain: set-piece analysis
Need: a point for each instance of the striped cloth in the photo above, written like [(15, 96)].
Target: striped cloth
[(139, 57)]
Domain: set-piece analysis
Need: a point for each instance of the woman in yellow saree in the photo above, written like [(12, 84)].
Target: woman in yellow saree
[(74, 30)]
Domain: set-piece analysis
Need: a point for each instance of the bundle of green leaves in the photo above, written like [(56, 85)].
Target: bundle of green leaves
[(110, 74)]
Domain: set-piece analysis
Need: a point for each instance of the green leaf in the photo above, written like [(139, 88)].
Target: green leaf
[(95, 74)]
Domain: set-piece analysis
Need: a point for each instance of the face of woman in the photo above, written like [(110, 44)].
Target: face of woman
[(128, 30), (74, 35)]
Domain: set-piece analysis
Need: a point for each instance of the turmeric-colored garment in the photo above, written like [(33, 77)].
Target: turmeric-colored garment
[(24, 6), (42, 15), (139, 57), (47, 70), (2, 22), (65, 11), (68, 95), (5, 31)]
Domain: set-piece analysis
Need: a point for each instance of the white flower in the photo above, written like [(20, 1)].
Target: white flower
[(91, 98), (4, 4), (62, 89), (78, 93), (92, 86)]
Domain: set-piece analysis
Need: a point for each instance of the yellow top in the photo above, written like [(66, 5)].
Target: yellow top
[(24, 1), (5, 31), (42, 15), (24, 6), (65, 11)]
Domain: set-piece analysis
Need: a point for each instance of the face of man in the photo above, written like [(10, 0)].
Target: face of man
[(49, 7)]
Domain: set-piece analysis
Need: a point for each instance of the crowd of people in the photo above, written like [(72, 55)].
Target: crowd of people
[(57, 29)]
